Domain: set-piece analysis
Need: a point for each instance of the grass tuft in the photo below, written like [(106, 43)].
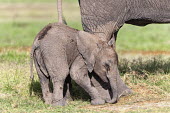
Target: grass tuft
[(141, 65)]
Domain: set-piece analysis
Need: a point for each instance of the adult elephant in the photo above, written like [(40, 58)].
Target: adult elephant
[(105, 17)]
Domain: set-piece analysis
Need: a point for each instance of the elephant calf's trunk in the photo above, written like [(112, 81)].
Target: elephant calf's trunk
[(113, 83), (114, 91)]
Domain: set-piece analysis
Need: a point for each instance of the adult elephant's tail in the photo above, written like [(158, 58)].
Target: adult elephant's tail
[(61, 18)]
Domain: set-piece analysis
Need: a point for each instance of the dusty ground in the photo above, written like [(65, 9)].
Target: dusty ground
[(134, 107), (144, 97)]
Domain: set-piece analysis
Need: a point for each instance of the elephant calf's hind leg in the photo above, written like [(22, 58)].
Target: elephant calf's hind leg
[(44, 81), (58, 78)]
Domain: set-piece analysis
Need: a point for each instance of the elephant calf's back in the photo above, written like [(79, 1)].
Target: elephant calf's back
[(60, 43)]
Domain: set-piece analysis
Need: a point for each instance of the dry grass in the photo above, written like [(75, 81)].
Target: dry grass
[(148, 94)]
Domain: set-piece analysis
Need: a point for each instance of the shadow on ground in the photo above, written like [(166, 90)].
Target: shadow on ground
[(153, 65), (77, 93)]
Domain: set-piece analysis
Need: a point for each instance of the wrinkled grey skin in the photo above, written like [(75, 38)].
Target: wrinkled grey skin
[(99, 15), (104, 18), (59, 50)]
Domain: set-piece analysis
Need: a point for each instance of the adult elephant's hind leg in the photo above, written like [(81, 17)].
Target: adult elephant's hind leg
[(79, 74), (122, 89)]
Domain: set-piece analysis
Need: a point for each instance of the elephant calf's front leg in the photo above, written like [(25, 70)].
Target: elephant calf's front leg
[(79, 74)]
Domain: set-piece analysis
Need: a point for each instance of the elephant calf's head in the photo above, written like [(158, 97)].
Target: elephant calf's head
[(101, 58), (98, 55)]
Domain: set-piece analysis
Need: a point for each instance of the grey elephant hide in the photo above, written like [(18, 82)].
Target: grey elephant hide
[(100, 15), (59, 50)]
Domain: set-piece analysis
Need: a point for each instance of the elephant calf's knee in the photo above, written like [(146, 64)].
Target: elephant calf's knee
[(74, 74)]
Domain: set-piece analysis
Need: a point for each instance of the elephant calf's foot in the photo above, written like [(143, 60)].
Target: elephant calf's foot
[(61, 102), (112, 101), (97, 101)]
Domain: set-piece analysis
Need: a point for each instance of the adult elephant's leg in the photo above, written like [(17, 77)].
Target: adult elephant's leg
[(79, 74), (44, 80), (123, 90)]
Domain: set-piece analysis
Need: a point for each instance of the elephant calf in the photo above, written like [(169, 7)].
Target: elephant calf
[(59, 50)]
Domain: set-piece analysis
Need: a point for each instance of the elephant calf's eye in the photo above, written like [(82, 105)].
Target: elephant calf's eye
[(107, 67)]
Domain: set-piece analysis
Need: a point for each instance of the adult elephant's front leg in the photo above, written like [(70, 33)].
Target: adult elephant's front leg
[(79, 74), (122, 89)]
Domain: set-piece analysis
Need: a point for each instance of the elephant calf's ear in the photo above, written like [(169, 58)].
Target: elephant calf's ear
[(86, 45)]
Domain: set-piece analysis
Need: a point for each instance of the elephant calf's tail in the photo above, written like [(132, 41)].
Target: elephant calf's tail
[(35, 45)]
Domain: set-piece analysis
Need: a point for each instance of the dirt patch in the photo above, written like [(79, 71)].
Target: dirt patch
[(144, 97), (146, 52), (125, 108), (4, 95), (120, 52), (17, 49)]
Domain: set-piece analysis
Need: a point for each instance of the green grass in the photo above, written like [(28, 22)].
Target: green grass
[(21, 34), (149, 38), (13, 56)]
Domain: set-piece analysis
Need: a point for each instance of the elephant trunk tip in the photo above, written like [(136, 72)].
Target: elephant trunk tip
[(112, 101)]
